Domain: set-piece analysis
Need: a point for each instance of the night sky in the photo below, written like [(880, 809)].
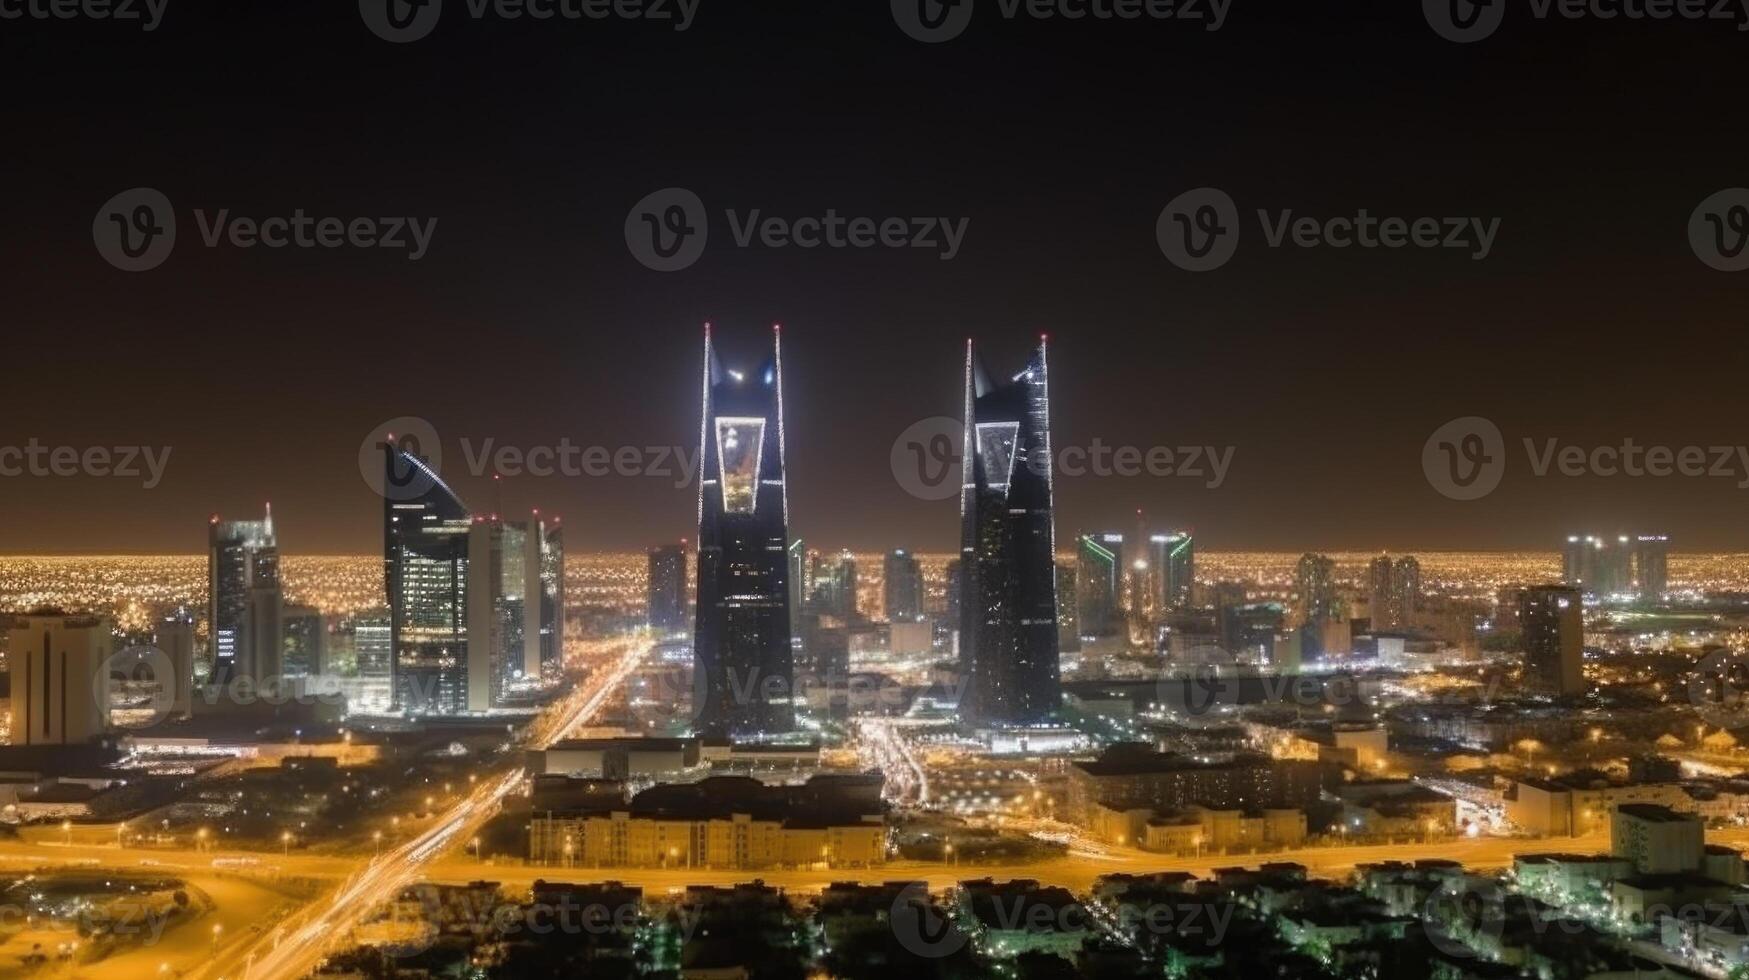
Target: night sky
[(529, 320)]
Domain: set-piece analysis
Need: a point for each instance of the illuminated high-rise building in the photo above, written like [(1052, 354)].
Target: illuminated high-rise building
[(426, 528), (1406, 590), (174, 635), (1172, 566), (903, 586), (505, 593), (59, 677), (1008, 607), (1379, 591), (1315, 585), (244, 602), (667, 589), (1651, 566), (741, 638), (550, 657), (1552, 620), (1099, 579), (1068, 609), (306, 634), (1597, 565)]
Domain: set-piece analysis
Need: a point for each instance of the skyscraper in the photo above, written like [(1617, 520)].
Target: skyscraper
[(1315, 583), (244, 602), (1406, 590), (1552, 619), (503, 617), (306, 633), (550, 657), (59, 677), (425, 574), (174, 635), (1651, 566), (667, 589), (1008, 609), (1379, 591), (903, 585), (1597, 565), (1172, 561), (1099, 581), (1068, 609), (741, 640)]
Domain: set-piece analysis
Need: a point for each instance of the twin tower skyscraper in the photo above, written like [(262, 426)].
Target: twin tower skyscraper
[(744, 662)]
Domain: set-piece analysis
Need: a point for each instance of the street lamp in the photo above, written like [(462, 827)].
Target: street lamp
[(67, 831), (477, 855), (376, 844), (200, 839), (285, 843), (218, 930)]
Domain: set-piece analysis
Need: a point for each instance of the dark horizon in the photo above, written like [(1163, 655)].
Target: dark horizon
[(1324, 371)]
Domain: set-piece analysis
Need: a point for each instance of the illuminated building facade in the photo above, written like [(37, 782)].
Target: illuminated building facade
[(244, 604), (1008, 604), (903, 586), (667, 589), (741, 635), (1099, 583), (425, 571), (59, 677), (1552, 620), (1172, 563)]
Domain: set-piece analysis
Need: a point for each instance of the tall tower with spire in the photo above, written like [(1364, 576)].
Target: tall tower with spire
[(743, 663), (1008, 606)]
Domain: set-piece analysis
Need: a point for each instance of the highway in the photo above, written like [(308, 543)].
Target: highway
[(295, 947)]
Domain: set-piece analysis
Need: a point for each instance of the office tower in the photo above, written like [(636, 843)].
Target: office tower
[(1172, 566), (1379, 592), (306, 634), (244, 602), (425, 574), (372, 646), (503, 616), (741, 640), (174, 636), (1651, 566), (1068, 609), (1099, 579), (951, 597), (1597, 565), (903, 584), (1405, 591), (798, 588), (1554, 637), (1008, 607), (549, 656), (59, 677), (667, 589), (1315, 585)]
